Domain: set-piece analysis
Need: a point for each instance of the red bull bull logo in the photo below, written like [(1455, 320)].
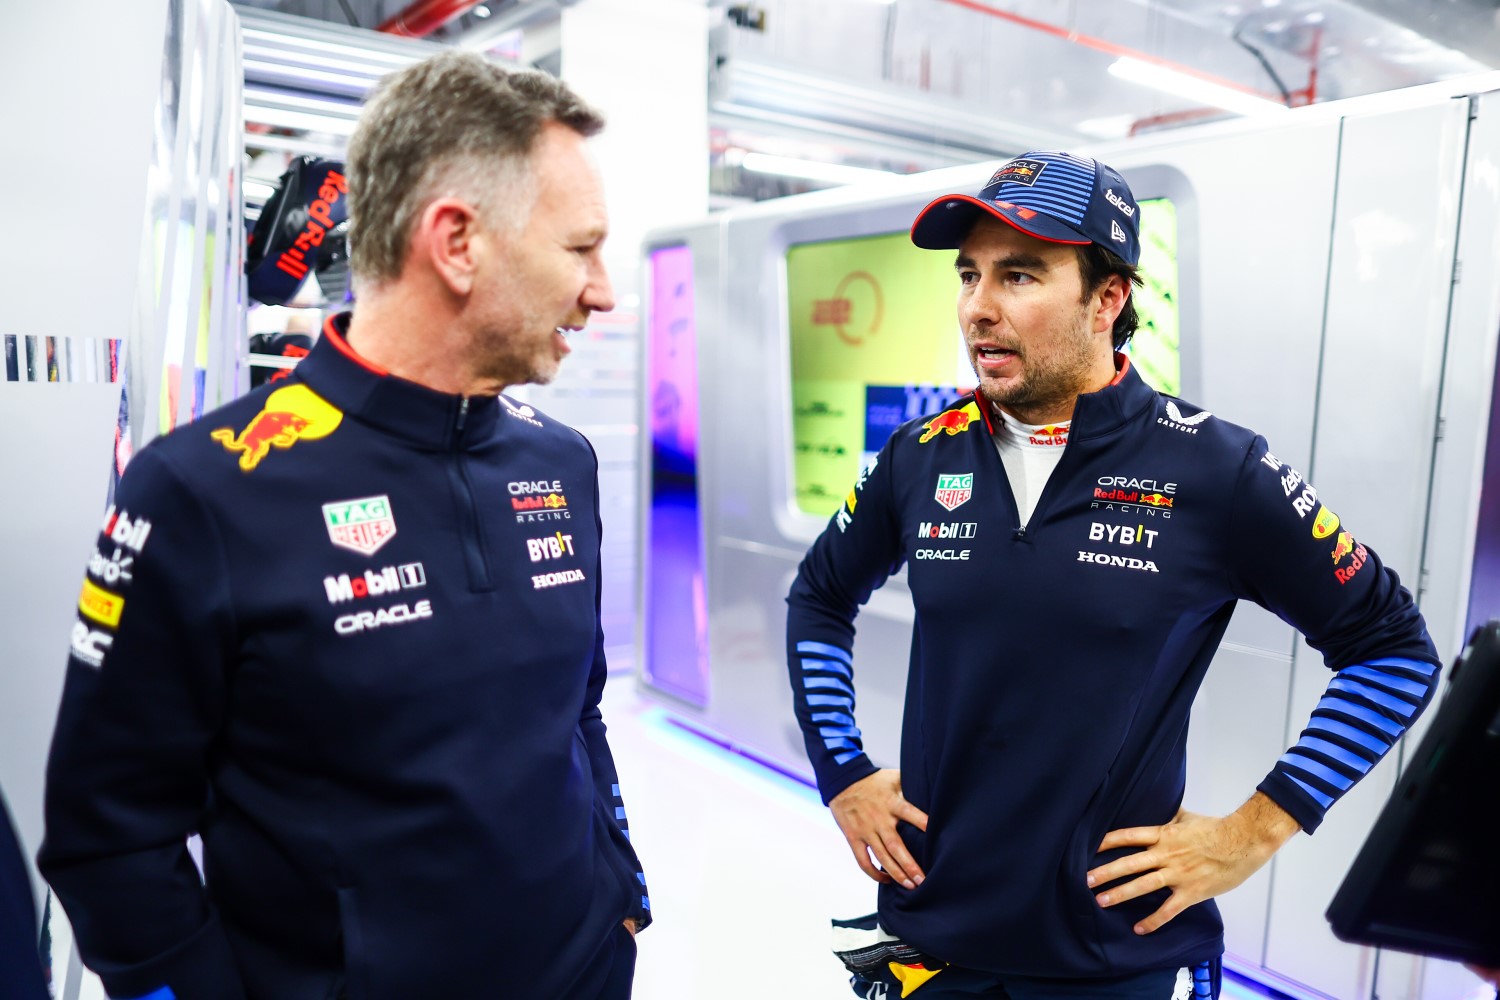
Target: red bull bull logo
[(292, 414), (1343, 547), (952, 421), (1157, 499)]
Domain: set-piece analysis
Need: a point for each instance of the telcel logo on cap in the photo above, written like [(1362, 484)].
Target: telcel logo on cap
[(1118, 202)]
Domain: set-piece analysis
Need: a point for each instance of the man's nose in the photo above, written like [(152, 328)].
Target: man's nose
[(981, 307), (598, 295)]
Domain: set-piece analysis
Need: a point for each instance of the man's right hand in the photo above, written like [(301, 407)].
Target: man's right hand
[(867, 812)]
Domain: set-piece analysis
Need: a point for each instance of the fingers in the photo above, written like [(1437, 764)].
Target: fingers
[(916, 817), (897, 860), (1149, 882), (1135, 836), (867, 812), (866, 863), (1164, 914), (1130, 864)]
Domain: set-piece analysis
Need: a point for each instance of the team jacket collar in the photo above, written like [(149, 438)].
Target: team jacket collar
[(403, 408), (1107, 410)]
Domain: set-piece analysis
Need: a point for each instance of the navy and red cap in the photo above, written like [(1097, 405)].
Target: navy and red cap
[(1053, 196)]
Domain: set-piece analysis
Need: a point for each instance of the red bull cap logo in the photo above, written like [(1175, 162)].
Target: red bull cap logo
[(292, 414), (952, 421)]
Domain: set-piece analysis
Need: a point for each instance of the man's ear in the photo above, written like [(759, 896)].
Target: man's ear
[(1109, 301), (447, 237)]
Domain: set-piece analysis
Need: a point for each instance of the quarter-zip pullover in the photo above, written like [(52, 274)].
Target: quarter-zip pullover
[(1053, 665), (347, 629)]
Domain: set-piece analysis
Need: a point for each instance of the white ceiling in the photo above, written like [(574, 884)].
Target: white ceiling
[(913, 84)]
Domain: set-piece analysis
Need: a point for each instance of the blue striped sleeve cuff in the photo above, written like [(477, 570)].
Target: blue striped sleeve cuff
[(827, 690), (1365, 710)]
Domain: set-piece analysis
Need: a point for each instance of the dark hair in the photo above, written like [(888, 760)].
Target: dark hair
[(453, 123), (1095, 265)]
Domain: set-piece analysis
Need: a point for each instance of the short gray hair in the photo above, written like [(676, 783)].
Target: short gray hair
[(449, 125)]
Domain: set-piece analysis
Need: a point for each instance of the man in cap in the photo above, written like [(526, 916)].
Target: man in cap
[(386, 726), (1032, 843)]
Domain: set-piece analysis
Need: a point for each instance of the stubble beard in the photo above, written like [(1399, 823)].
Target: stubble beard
[(1043, 390), (520, 356)]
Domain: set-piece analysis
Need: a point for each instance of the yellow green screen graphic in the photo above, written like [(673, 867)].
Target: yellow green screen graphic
[(871, 311), (1156, 348), (875, 342)]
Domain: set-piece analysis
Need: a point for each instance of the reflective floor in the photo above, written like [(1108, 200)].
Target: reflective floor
[(742, 862)]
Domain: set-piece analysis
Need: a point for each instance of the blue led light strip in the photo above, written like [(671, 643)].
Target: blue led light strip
[(1268, 983), (739, 751)]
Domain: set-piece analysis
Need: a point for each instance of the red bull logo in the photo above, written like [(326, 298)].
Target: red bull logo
[(1343, 547), (952, 421), (1157, 500), (292, 414), (1361, 555)]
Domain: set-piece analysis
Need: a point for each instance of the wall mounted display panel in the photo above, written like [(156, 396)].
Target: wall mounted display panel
[(674, 597)]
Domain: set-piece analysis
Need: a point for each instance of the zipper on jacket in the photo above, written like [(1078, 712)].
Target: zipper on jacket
[(471, 535)]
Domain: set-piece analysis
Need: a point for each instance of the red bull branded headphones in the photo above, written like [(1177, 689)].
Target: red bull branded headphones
[(301, 229), (1053, 196)]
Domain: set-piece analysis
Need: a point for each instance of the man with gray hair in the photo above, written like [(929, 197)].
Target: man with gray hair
[(386, 728)]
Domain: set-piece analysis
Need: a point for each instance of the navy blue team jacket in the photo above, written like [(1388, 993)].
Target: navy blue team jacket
[(347, 629), (1053, 666)]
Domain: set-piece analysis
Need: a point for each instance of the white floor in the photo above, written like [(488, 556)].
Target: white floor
[(745, 867)]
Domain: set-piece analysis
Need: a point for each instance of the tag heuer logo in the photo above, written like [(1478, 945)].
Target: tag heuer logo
[(954, 491), (361, 525)]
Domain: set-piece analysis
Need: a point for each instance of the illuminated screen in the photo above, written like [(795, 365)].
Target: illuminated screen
[(676, 613), (874, 343), (1156, 349)]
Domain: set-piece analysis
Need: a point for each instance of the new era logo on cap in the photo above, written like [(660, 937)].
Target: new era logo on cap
[(1051, 195)]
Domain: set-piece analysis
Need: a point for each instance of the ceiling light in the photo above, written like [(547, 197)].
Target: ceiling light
[(1108, 127), (811, 170), (1193, 88), (300, 120)]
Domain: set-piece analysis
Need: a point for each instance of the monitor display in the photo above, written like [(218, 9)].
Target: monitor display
[(676, 626), (1156, 349), (875, 342)]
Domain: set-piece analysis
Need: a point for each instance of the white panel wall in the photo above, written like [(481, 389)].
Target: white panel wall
[(1393, 250), (73, 196)]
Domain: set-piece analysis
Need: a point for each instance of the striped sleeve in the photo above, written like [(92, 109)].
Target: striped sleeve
[(828, 691), (1365, 710), (855, 554)]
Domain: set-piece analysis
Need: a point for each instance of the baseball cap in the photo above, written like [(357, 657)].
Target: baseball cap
[(1051, 195)]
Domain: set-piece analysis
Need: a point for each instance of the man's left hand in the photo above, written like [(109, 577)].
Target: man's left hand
[(1196, 857), (631, 925)]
